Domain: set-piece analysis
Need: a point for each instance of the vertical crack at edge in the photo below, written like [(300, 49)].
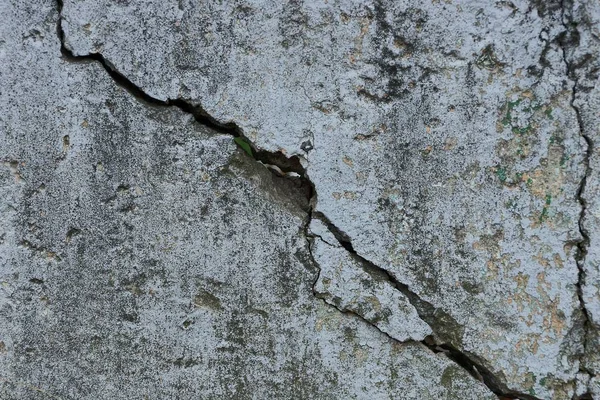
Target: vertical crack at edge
[(570, 37), (293, 164)]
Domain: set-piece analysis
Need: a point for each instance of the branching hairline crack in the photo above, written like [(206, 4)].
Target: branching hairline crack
[(469, 362), (292, 164)]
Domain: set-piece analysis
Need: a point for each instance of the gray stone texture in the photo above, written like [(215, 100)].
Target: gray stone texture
[(451, 246)]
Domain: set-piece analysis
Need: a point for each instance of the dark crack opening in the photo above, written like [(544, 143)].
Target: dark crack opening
[(283, 163)]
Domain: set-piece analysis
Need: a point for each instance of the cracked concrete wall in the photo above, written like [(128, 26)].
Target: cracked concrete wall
[(435, 239)]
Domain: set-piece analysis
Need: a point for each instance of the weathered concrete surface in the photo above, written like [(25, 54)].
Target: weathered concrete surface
[(440, 138), (583, 59), (143, 255)]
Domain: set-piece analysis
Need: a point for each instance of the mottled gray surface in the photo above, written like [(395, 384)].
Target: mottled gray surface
[(144, 254)]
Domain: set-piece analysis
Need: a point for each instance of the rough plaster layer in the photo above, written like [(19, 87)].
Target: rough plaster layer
[(145, 256), (440, 138)]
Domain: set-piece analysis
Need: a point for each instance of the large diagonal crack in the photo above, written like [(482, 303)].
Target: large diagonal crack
[(428, 312), (283, 163), (570, 38)]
